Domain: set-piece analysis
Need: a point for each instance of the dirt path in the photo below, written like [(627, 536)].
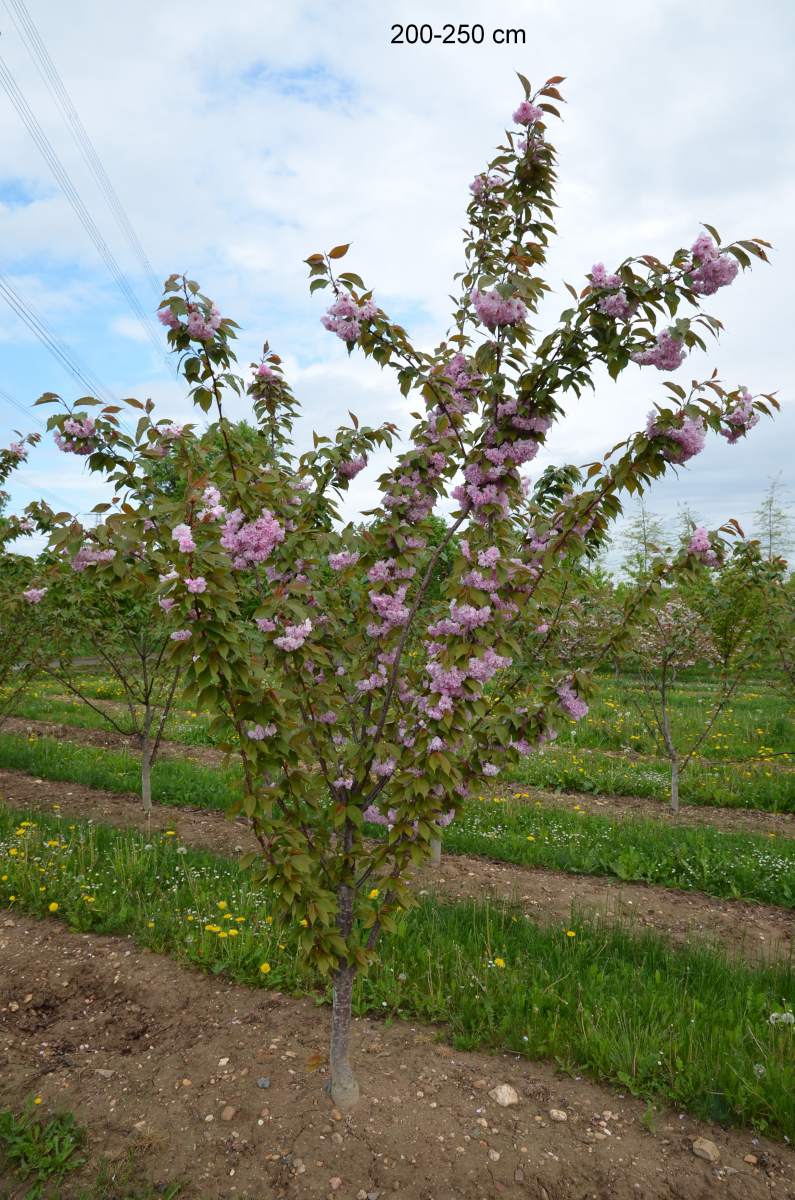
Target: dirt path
[(616, 807), (753, 930), (221, 1086)]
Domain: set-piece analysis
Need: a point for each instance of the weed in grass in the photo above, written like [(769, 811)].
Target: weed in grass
[(684, 1025), (122, 1181), (40, 1149)]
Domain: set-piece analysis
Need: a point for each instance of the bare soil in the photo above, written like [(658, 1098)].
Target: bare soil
[(739, 820), (755, 931), (162, 1061)]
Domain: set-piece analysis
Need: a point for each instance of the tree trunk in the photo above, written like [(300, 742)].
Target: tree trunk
[(344, 1090), (146, 778), (674, 785), (436, 851), (147, 753)]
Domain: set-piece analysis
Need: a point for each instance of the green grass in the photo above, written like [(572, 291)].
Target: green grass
[(174, 780), (746, 866), (182, 725), (688, 1026), (38, 1150), (757, 727), (760, 786), (755, 723)]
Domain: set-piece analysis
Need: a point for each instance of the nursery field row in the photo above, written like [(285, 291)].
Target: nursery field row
[(493, 978), (756, 724), (764, 783), (746, 866), (754, 931)]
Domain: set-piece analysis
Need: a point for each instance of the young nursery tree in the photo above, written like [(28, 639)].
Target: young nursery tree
[(360, 708), (719, 619), (117, 620), (23, 619)]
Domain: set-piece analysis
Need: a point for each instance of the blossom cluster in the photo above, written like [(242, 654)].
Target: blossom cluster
[(81, 439), (184, 538), (349, 468), (527, 113), (35, 595), (616, 303), (344, 559), (481, 185), (741, 418), (345, 317), (294, 636), (250, 542), (494, 310), (570, 702), (699, 546), (667, 353), (200, 324), (714, 270), (89, 556), (689, 438)]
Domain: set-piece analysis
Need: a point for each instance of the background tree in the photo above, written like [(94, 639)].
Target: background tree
[(717, 617), (773, 522), (643, 538)]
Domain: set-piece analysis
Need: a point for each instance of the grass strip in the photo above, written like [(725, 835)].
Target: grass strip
[(733, 866), (767, 785), (758, 786), (175, 781), (683, 1025)]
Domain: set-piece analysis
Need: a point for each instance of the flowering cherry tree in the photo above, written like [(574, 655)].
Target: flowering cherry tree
[(362, 714)]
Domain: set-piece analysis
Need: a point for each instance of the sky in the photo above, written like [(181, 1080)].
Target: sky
[(242, 138)]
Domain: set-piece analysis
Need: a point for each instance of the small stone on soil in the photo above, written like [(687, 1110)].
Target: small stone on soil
[(704, 1148), (557, 1114), (504, 1095)]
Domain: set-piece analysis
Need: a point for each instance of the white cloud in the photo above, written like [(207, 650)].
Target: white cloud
[(243, 139)]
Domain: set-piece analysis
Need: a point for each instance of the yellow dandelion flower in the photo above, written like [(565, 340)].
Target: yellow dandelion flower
[(13, 852), (269, 920), (264, 968), (570, 933), (213, 928), (150, 924), (222, 904), (372, 894), (222, 933), (232, 933), (171, 833), (531, 837), (500, 962), (303, 922), (37, 1100), (240, 918), (54, 906)]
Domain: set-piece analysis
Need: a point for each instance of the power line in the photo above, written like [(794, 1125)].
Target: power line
[(49, 73), (26, 412), (64, 181), (34, 322)]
